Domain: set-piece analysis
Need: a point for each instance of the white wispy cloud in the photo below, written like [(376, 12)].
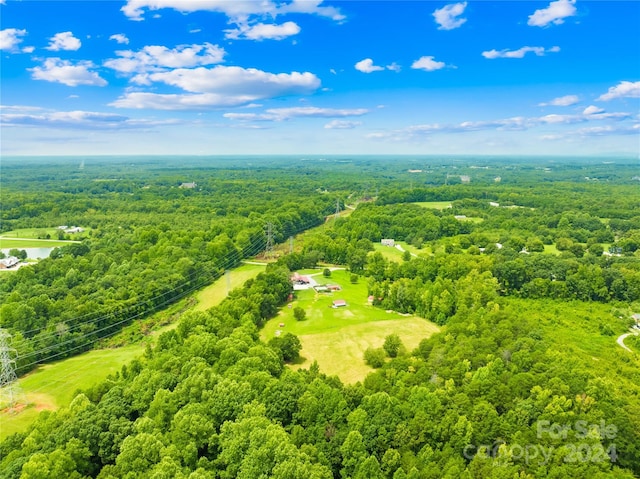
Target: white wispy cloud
[(554, 14), (428, 63), (263, 31), (65, 72), (64, 41), (624, 89), (220, 86), (77, 120), (367, 66), (282, 114), (342, 125), (28, 49), (10, 38), (315, 112), (153, 58), (447, 17), (237, 10), (394, 67), (519, 53), (120, 38), (566, 100), (517, 123)]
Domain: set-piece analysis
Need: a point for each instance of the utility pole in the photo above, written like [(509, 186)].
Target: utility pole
[(268, 250), (8, 379)]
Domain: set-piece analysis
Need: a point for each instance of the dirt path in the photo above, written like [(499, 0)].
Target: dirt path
[(622, 337)]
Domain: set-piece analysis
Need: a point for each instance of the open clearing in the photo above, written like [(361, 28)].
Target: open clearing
[(54, 385), (21, 243), (436, 205), (337, 337), (213, 294)]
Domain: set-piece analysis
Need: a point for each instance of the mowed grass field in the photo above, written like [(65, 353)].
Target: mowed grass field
[(54, 385), (21, 243), (436, 205), (29, 238), (337, 337), (213, 294)]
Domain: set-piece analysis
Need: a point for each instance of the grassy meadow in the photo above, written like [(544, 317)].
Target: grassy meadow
[(54, 385), (436, 205), (337, 337), (32, 238), (213, 294)]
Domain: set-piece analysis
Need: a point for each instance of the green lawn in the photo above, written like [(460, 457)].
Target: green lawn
[(31, 243), (436, 205), (54, 385), (213, 294), (389, 252), (33, 233), (338, 337)]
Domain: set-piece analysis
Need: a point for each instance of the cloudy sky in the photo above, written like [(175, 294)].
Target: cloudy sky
[(320, 77)]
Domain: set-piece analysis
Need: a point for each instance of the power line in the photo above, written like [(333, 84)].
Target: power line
[(8, 380), (268, 250), (253, 248)]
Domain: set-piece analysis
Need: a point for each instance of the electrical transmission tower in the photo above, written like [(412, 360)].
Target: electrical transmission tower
[(8, 380), (337, 215), (268, 250)]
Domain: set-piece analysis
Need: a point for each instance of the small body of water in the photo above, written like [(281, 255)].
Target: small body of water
[(32, 253)]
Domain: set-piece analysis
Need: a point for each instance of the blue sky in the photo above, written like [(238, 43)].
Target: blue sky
[(320, 77)]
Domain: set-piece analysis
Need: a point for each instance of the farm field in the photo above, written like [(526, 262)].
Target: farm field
[(337, 337)]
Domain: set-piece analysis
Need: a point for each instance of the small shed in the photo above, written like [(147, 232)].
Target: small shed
[(339, 303)]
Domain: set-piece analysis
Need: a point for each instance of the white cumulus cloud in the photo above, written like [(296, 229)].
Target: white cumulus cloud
[(64, 41), (10, 39), (156, 58), (566, 100), (624, 89), (220, 86), (367, 66), (447, 17), (120, 38), (427, 63), (263, 31), (554, 14), (67, 73), (592, 110), (519, 53)]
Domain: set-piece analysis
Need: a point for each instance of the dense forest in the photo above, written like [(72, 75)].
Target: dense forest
[(531, 278)]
